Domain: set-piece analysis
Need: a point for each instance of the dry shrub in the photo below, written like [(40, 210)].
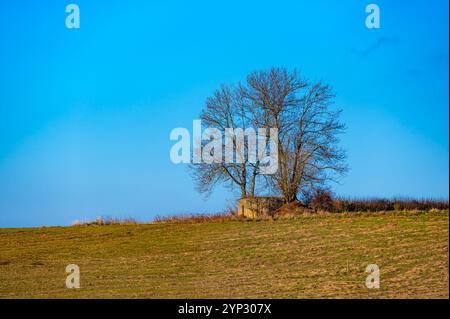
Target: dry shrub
[(322, 200), (380, 204), (421, 204), (293, 209)]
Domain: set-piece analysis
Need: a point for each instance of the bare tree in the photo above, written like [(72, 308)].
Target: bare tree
[(308, 129), (226, 110), (308, 151)]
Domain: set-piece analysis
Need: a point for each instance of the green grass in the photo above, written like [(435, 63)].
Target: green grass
[(306, 257)]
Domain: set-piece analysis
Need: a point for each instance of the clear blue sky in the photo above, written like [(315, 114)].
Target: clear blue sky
[(85, 115)]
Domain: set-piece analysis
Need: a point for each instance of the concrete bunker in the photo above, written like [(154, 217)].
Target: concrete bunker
[(256, 207)]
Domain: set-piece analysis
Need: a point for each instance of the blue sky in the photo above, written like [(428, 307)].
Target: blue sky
[(85, 114)]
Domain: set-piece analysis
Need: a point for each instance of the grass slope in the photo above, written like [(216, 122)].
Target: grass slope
[(308, 257)]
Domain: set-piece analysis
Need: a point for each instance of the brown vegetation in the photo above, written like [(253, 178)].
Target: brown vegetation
[(324, 200)]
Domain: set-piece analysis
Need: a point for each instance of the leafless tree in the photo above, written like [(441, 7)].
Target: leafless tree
[(308, 131), (308, 150), (226, 109)]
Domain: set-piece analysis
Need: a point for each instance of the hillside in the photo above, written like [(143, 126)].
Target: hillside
[(307, 257)]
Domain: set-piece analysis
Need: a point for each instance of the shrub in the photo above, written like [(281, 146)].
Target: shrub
[(381, 204), (322, 200), (341, 205)]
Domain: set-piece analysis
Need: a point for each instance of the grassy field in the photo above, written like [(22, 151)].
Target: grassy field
[(307, 257)]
